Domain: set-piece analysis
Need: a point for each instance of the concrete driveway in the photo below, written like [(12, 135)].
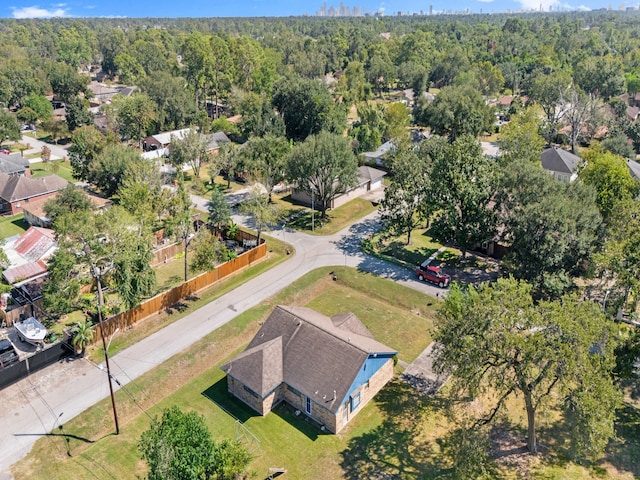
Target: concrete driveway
[(32, 407)]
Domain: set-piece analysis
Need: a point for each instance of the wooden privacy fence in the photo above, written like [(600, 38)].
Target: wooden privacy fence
[(165, 254), (165, 300)]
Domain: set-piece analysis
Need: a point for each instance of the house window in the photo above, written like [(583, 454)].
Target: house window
[(355, 401), (308, 407)]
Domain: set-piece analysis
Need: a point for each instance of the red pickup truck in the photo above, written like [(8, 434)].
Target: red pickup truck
[(433, 274)]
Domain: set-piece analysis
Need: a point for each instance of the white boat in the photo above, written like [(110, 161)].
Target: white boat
[(31, 331)]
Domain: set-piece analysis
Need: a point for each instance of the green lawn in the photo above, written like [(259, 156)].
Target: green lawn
[(400, 434), (336, 220), (194, 381), (14, 225), (41, 169)]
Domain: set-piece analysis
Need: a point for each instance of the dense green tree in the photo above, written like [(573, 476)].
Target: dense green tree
[(174, 100), (552, 227), (267, 159), (496, 339), (73, 49), (262, 213), (110, 168), (456, 111), (519, 139), (9, 128), (462, 186), (609, 175), (40, 105), (86, 144), (27, 115), (101, 248), (178, 446), (600, 76), (396, 119), (259, 117), (129, 69), (66, 82), (134, 115), (323, 166), (71, 199), (112, 43), (141, 194), (191, 149), (208, 251), (370, 127), (307, 108), (353, 85), (77, 113), (402, 209), (219, 209)]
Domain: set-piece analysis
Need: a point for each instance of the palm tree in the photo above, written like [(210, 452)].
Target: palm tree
[(82, 336)]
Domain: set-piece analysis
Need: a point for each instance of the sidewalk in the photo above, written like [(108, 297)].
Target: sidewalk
[(57, 152), (35, 405)]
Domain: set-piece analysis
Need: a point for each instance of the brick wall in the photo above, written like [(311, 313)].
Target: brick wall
[(367, 392)]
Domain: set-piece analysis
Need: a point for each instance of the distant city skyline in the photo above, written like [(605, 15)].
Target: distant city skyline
[(276, 8)]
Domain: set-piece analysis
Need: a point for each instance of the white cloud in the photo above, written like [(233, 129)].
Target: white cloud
[(485, 1), (538, 4), (37, 12)]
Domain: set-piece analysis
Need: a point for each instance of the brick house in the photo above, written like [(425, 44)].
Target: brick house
[(17, 190), (327, 368)]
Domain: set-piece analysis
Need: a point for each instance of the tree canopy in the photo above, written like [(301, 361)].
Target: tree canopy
[(323, 166), (178, 446), (495, 339)]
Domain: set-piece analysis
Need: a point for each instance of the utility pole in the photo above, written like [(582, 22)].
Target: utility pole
[(104, 347)]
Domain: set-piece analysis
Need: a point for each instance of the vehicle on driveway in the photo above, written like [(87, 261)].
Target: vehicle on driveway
[(433, 274)]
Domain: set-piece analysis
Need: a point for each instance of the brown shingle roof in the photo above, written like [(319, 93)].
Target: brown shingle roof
[(15, 188), (308, 351)]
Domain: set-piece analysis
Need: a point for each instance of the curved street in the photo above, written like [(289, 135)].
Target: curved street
[(34, 406)]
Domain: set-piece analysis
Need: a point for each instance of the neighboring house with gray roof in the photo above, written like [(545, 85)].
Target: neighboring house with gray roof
[(327, 368), (163, 140), (563, 165), (378, 157), (369, 180), (214, 140), (14, 165), (17, 190)]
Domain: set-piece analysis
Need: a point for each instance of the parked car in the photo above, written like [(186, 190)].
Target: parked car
[(5, 151), (433, 275), (8, 354)]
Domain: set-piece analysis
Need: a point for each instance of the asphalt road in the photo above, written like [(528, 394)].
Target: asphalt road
[(34, 406)]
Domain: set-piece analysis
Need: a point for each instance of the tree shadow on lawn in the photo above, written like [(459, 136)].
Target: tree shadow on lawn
[(301, 422), (219, 395), (624, 452), (395, 449), (399, 250)]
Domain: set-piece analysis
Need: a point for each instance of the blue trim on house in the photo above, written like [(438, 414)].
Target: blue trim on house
[(369, 368)]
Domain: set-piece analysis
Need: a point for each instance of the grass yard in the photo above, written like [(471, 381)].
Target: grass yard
[(275, 254), (41, 169), (14, 225), (400, 434), (194, 381), (336, 220)]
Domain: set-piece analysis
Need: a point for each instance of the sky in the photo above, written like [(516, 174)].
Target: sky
[(243, 8)]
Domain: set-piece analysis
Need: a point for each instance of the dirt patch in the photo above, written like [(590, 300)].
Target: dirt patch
[(509, 450), (472, 270)]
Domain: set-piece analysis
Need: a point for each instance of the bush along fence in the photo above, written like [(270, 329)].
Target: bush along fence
[(166, 300)]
